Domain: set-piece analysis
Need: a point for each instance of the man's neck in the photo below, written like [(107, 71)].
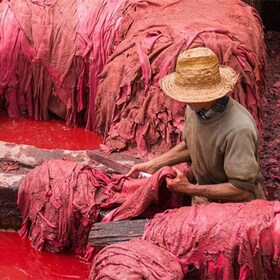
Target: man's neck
[(218, 106)]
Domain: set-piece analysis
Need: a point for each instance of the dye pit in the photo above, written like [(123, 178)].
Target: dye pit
[(52, 134), (18, 260)]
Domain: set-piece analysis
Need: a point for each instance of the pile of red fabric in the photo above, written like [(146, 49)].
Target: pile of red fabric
[(60, 200), (154, 33), (222, 241), (215, 241), (136, 259), (99, 62)]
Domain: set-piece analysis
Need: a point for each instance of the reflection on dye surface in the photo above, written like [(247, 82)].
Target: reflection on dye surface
[(19, 261)]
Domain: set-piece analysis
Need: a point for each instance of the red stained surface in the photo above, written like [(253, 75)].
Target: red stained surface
[(52, 134), (19, 261)]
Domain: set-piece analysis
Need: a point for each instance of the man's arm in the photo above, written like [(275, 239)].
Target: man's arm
[(176, 155), (224, 191)]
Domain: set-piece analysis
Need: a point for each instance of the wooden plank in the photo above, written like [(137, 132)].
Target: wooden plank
[(103, 234)]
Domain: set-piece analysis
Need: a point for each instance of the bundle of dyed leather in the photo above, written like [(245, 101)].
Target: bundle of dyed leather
[(222, 241), (154, 33), (60, 200), (136, 259), (214, 241)]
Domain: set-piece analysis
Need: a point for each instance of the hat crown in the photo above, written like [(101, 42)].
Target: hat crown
[(198, 77), (198, 69)]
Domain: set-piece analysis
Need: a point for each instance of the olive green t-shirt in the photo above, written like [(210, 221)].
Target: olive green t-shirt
[(224, 148)]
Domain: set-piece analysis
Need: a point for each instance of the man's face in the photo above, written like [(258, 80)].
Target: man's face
[(199, 106), (194, 106)]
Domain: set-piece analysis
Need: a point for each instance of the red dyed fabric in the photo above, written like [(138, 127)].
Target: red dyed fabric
[(60, 200), (57, 202), (99, 62), (147, 192), (154, 33), (221, 241), (133, 260)]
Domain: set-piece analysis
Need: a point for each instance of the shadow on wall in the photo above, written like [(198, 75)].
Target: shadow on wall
[(270, 11), (254, 3)]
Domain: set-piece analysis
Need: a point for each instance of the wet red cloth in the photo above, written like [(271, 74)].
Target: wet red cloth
[(60, 200), (154, 33), (222, 241), (133, 260)]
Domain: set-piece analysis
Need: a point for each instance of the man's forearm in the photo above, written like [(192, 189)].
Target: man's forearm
[(225, 191), (176, 155)]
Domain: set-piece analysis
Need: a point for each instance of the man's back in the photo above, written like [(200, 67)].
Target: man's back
[(225, 147)]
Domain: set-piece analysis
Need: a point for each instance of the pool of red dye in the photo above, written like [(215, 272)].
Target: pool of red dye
[(52, 134), (19, 261)]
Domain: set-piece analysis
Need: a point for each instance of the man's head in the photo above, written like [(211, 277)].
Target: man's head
[(199, 78)]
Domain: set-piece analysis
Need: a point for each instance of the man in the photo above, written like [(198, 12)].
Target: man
[(220, 137)]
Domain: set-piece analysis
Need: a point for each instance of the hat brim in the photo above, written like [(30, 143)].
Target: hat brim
[(197, 95)]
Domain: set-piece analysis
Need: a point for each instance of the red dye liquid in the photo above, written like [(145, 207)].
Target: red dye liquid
[(19, 261), (52, 134)]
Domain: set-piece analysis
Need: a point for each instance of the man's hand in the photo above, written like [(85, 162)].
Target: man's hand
[(146, 167), (223, 191), (176, 155), (180, 183)]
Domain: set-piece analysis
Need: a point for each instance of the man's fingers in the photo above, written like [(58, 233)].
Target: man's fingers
[(179, 173), (131, 172), (170, 181)]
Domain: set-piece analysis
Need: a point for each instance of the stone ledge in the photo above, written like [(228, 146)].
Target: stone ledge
[(26, 158)]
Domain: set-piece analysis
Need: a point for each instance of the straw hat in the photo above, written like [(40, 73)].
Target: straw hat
[(198, 77)]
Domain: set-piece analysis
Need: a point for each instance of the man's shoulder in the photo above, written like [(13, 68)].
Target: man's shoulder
[(239, 116), (240, 108)]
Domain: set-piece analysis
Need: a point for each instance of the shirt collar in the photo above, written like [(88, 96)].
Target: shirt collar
[(218, 107)]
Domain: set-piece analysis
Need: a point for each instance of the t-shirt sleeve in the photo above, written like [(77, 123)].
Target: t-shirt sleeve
[(241, 160)]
